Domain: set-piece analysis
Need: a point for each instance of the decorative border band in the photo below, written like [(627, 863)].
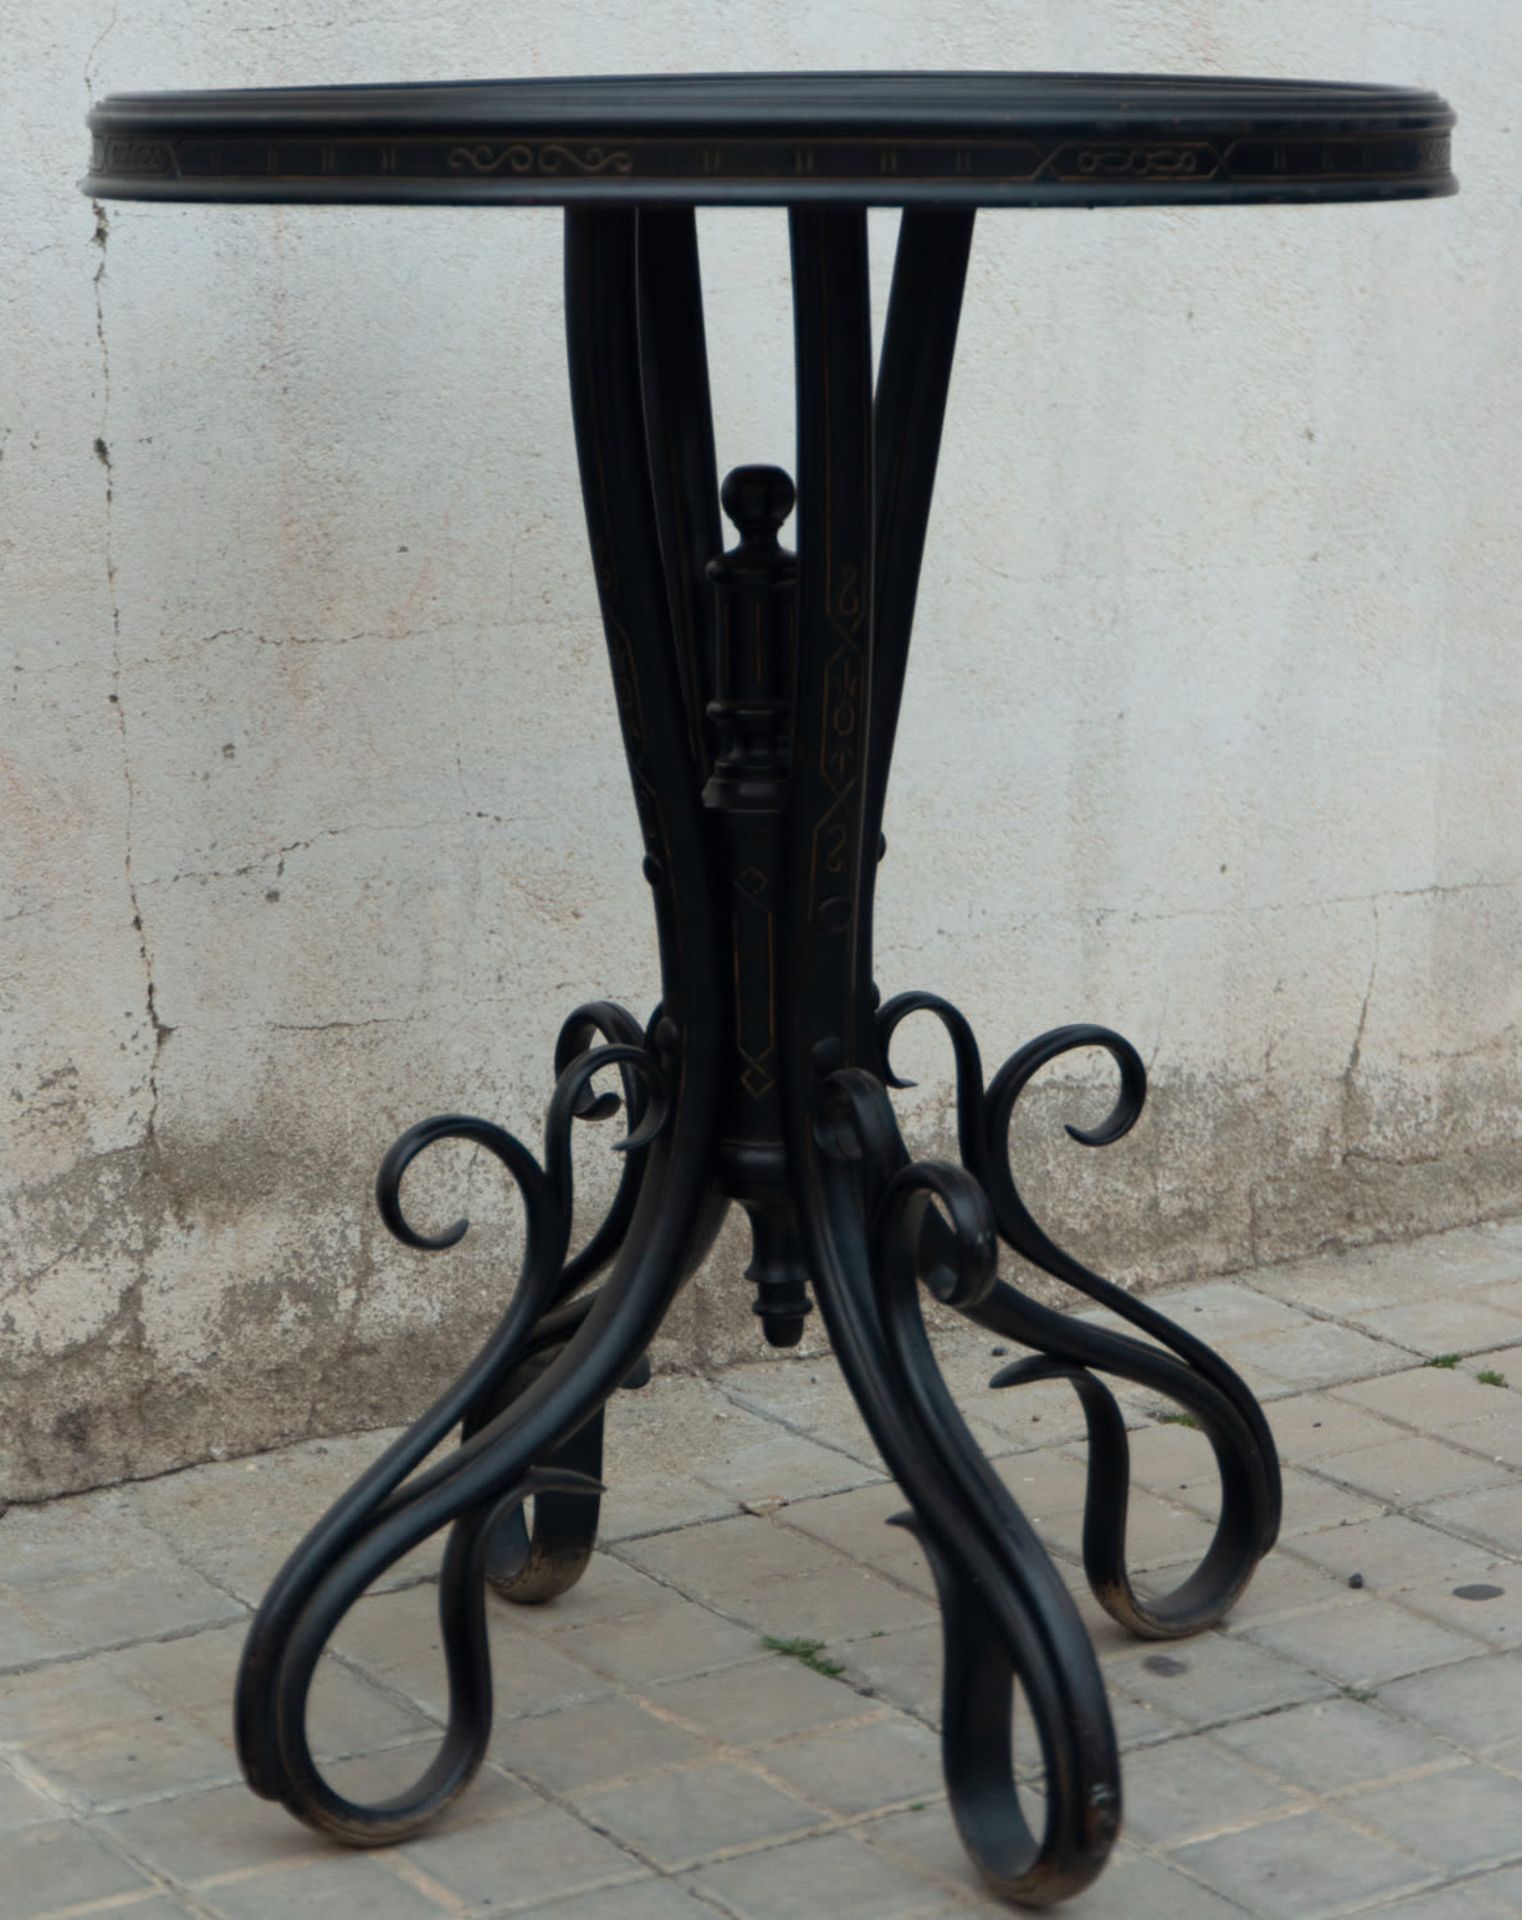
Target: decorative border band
[(1291, 160)]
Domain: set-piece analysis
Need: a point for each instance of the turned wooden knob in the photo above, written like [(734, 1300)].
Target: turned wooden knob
[(758, 500)]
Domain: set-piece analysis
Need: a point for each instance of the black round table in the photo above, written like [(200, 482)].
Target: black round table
[(758, 691)]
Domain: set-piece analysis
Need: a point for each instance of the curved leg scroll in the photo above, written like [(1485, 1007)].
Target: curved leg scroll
[(529, 1407), (1171, 1361)]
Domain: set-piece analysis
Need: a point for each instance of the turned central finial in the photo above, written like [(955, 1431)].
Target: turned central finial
[(758, 500)]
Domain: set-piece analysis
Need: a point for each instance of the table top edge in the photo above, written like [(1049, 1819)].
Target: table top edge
[(884, 140)]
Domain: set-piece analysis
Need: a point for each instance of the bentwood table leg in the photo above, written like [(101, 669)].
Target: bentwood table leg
[(758, 696), (861, 1204), (672, 1082)]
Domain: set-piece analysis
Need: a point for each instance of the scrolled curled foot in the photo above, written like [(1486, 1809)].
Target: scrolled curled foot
[(298, 1781)]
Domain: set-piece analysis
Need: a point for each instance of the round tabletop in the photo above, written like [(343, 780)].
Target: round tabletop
[(781, 139)]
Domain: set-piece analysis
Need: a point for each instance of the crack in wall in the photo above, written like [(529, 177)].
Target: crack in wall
[(1437, 890), (102, 451), (29, 1280), (100, 40), (278, 641), (980, 920), (248, 636), (1346, 1115), (334, 1026), (280, 854)]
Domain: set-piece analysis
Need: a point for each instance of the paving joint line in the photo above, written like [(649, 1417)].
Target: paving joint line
[(72, 1656)]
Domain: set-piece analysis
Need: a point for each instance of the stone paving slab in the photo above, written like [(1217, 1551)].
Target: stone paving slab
[(736, 1712)]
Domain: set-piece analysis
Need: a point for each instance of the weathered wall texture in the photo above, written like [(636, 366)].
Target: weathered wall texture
[(314, 821)]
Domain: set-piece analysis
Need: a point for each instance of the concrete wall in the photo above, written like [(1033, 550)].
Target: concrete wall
[(314, 819)]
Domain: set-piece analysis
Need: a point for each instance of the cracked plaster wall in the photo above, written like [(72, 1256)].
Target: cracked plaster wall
[(314, 822)]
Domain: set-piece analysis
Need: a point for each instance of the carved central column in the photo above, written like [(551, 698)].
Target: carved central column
[(756, 627)]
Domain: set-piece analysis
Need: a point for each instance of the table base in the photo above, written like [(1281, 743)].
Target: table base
[(758, 697)]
